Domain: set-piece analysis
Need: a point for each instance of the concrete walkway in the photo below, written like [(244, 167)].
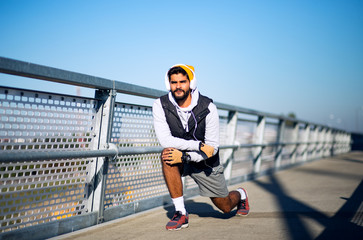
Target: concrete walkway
[(319, 200)]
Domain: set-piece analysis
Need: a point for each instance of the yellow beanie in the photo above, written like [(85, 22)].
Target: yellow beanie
[(189, 69)]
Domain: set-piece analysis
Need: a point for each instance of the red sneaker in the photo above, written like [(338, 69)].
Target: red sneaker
[(243, 208), (178, 222)]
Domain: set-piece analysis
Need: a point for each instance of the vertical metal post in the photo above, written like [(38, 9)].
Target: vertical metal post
[(339, 138), (260, 129), (333, 136), (97, 181), (348, 141), (295, 139), (321, 142), (340, 142), (92, 173), (330, 142), (108, 113), (314, 139), (305, 139), (324, 138), (345, 143), (231, 136), (280, 139)]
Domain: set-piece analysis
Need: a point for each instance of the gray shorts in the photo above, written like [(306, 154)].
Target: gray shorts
[(211, 181)]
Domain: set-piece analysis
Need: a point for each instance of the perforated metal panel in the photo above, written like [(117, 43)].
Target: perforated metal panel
[(133, 126), (134, 177), (44, 121), (41, 191)]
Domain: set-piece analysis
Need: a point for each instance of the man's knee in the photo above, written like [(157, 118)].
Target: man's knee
[(161, 156), (164, 163), (222, 203), (226, 209)]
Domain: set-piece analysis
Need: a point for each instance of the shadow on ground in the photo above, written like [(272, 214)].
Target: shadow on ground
[(201, 209), (340, 226), (347, 222)]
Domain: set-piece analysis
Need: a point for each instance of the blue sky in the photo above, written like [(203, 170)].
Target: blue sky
[(277, 56)]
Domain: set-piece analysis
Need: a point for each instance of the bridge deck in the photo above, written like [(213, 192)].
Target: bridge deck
[(319, 200)]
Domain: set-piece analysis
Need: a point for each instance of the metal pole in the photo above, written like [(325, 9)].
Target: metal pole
[(108, 110), (231, 136), (280, 139), (306, 140), (316, 144), (295, 138), (260, 129), (26, 156)]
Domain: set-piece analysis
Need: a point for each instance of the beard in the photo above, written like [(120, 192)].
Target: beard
[(181, 97)]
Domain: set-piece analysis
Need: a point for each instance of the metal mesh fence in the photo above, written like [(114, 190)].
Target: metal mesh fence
[(42, 121), (35, 192), (134, 177), (41, 191), (133, 126)]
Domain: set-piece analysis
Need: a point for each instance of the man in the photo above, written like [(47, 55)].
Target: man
[(187, 127)]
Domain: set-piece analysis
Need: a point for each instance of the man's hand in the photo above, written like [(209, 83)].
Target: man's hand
[(206, 149), (172, 156)]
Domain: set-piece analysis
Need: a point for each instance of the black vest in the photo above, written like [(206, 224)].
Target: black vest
[(176, 127)]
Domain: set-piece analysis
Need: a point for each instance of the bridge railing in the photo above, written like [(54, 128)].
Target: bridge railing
[(69, 162)]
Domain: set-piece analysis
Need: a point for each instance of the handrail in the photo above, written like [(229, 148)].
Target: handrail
[(27, 156), (26, 69)]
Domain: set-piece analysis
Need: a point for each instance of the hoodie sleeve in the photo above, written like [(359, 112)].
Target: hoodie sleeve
[(163, 133)]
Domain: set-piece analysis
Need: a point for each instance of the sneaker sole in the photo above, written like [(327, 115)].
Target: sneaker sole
[(242, 215), (176, 229)]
